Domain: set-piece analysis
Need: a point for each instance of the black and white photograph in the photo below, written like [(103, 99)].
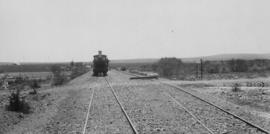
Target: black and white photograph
[(134, 67)]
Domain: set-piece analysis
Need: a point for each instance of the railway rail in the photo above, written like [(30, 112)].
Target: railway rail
[(84, 131), (221, 109), (210, 103), (122, 108), (144, 121), (189, 112), (182, 106), (88, 111)]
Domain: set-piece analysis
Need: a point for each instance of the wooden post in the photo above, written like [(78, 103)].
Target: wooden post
[(197, 70), (201, 69)]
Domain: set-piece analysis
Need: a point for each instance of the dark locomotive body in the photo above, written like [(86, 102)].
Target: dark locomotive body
[(100, 64)]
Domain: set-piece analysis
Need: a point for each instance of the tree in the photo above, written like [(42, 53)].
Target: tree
[(169, 67), (17, 102), (238, 65), (71, 63)]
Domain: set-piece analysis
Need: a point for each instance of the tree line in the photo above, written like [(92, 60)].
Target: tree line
[(175, 68)]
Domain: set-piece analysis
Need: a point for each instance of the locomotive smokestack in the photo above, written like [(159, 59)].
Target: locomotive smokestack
[(100, 52)]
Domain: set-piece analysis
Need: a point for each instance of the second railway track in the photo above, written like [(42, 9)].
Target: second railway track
[(234, 124), (217, 119)]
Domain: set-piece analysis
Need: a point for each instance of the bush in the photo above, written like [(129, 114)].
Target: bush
[(34, 85), (17, 103), (19, 80), (236, 87), (168, 67), (123, 68)]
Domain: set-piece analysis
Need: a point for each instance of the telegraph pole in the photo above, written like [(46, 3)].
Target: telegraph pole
[(197, 70), (201, 69)]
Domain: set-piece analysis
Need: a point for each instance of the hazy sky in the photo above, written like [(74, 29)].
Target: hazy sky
[(65, 30)]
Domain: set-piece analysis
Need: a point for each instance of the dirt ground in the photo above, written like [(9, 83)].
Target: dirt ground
[(54, 110)]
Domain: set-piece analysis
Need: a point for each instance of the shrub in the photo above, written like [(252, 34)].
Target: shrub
[(123, 68), (17, 103), (169, 67), (34, 85), (19, 80), (236, 87)]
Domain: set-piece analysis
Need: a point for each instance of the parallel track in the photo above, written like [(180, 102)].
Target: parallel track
[(212, 104), (218, 107), (189, 112)]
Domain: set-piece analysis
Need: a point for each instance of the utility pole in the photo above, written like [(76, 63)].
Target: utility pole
[(201, 69), (197, 70)]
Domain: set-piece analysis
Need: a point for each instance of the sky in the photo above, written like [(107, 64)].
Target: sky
[(65, 30)]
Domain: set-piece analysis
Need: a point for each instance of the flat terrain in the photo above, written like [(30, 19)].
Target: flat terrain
[(30, 75), (87, 105)]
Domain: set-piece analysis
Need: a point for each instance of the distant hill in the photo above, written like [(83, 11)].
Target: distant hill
[(153, 60), (228, 57), (135, 61), (6, 63), (197, 59)]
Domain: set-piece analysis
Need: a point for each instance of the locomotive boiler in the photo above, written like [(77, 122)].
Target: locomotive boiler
[(100, 64)]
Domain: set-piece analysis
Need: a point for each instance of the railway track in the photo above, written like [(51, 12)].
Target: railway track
[(122, 108), (221, 109), (155, 113), (90, 107), (88, 111), (257, 127), (189, 112)]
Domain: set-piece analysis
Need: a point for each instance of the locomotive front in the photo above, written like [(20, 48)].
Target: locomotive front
[(100, 64)]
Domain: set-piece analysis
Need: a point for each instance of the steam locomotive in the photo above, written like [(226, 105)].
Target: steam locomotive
[(100, 64)]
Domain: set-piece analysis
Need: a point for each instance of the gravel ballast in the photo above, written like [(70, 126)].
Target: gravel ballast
[(105, 115), (153, 112), (216, 120)]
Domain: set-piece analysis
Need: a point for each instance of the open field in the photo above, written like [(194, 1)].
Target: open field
[(30, 75), (44, 79)]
